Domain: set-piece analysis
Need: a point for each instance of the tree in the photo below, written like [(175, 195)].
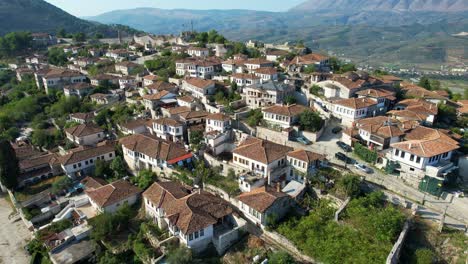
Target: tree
[(310, 121), (61, 33), (79, 37), (234, 87), (145, 178), (196, 137), (14, 43), (179, 255), (290, 100), (9, 169), (316, 90), (57, 57), (255, 117), (102, 170), (280, 257), (61, 184), (425, 83), (118, 166), (349, 185)]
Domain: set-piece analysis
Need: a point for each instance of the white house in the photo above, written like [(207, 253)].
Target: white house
[(304, 163), (168, 129), (245, 79), (109, 198), (234, 66), (217, 122), (425, 152), (379, 132), (264, 204), (267, 74), (82, 159), (199, 88), (138, 126), (196, 68), (283, 115), (126, 67), (266, 93), (151, 153), (57, 79), (263, 157), (352, 109), (81, 89), (198, 52), (197, 218), (253, 64), (85, 134)]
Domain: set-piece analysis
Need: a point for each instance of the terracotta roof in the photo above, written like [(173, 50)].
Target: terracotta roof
[(268, 70), (153, 147), (157, 96), (261, 198), (419, 106), (84, 153), (79, 86), (308, 59), (30, 163), (287, 110), (189, 211), (463, 106), (306, 156), (103, 77), (193, 115), (151, 77), (420, 92), (377, 93), (187, 98), (389, 78), (261, 150), (93, 183), (132, 124), (427, 142), (161, 85), (167, 122), (218, 117), (83, 116), (356, 103), (200, 83), (84, 130), (384, 130), (247, 76), (234, 62), (179, 110), (127, 64), (258, 61), (407, 115), (277, 52), (112, 193), (61, 73)]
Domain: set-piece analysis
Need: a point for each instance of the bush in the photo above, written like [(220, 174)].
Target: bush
[(180, 255), (280, 257), (365, 153), (255, 117), (424, 256), (310, 121), (145, 178)]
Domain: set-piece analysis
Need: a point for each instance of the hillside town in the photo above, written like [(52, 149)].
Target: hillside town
[(190, 148)]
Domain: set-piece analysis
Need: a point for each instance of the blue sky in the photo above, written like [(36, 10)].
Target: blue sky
[(96, 7)]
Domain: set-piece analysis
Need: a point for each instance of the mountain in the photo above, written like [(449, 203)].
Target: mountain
[(40, 16), (384, 5)]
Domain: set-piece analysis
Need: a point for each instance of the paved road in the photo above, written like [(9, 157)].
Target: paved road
[(457, 208), (13, 237)]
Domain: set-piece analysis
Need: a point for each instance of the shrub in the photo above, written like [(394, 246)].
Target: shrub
[(365, 153)]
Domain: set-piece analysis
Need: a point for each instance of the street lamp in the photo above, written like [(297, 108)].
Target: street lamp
[(424, 192)]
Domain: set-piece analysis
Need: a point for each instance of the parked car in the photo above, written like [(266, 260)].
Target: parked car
[(363, 168), (337, 130), (303, 140), (344, 147), (341, 156)]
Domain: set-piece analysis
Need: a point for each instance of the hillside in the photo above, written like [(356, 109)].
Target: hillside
[(40, 16), (384, 5)]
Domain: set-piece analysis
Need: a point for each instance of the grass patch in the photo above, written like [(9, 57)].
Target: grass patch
[(29, 191)]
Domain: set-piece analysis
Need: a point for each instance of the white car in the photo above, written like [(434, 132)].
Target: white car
[(363, 168)]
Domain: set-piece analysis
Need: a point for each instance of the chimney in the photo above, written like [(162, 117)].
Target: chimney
[(410, 145), (278, 187)]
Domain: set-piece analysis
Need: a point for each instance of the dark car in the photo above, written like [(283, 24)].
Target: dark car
[(344, 147), (341, 156), (336, 130)]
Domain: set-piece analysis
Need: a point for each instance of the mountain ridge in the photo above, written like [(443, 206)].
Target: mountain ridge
[(384, 5)]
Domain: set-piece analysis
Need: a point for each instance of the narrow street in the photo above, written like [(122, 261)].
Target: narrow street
[(14, 236)]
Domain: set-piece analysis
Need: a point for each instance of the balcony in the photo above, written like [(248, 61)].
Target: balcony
[(441, 169)]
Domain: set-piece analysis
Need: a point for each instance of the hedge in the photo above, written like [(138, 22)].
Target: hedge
[(365, 153)]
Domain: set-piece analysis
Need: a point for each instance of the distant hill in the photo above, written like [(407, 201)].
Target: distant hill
[(384, 5), (40, 16)]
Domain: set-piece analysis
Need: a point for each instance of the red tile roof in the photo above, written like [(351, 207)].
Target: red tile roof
[(261, 150), (112, 193), (261, 198)]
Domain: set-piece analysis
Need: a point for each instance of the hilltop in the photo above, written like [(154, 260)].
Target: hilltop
[(40, 16)]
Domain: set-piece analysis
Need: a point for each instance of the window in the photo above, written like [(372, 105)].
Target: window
[(411, 157), (79, 164), (86, 162), (190, 237), (418, 159), (196, 234), (411, 169), (202, 232), (74, 166), (445, 155), (110, 155), (397, 152), (402, 154)]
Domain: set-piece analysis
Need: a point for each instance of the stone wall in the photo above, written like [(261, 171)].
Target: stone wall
[(394, 256)]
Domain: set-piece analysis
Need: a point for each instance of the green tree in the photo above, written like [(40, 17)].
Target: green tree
[(145, 178), (196, 138), (79, 37), (254, 118), (118, 166), (61, 33), (425, 83), (61, 184), (102, 169), (280, 257), (310, 121), (290, 99), (9, 169), (42, 138), (349, 185), (179, 255), (15, 43), (106, 225), (57, 57)]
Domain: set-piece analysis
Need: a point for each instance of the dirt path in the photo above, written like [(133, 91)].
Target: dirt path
[(14, 237)]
